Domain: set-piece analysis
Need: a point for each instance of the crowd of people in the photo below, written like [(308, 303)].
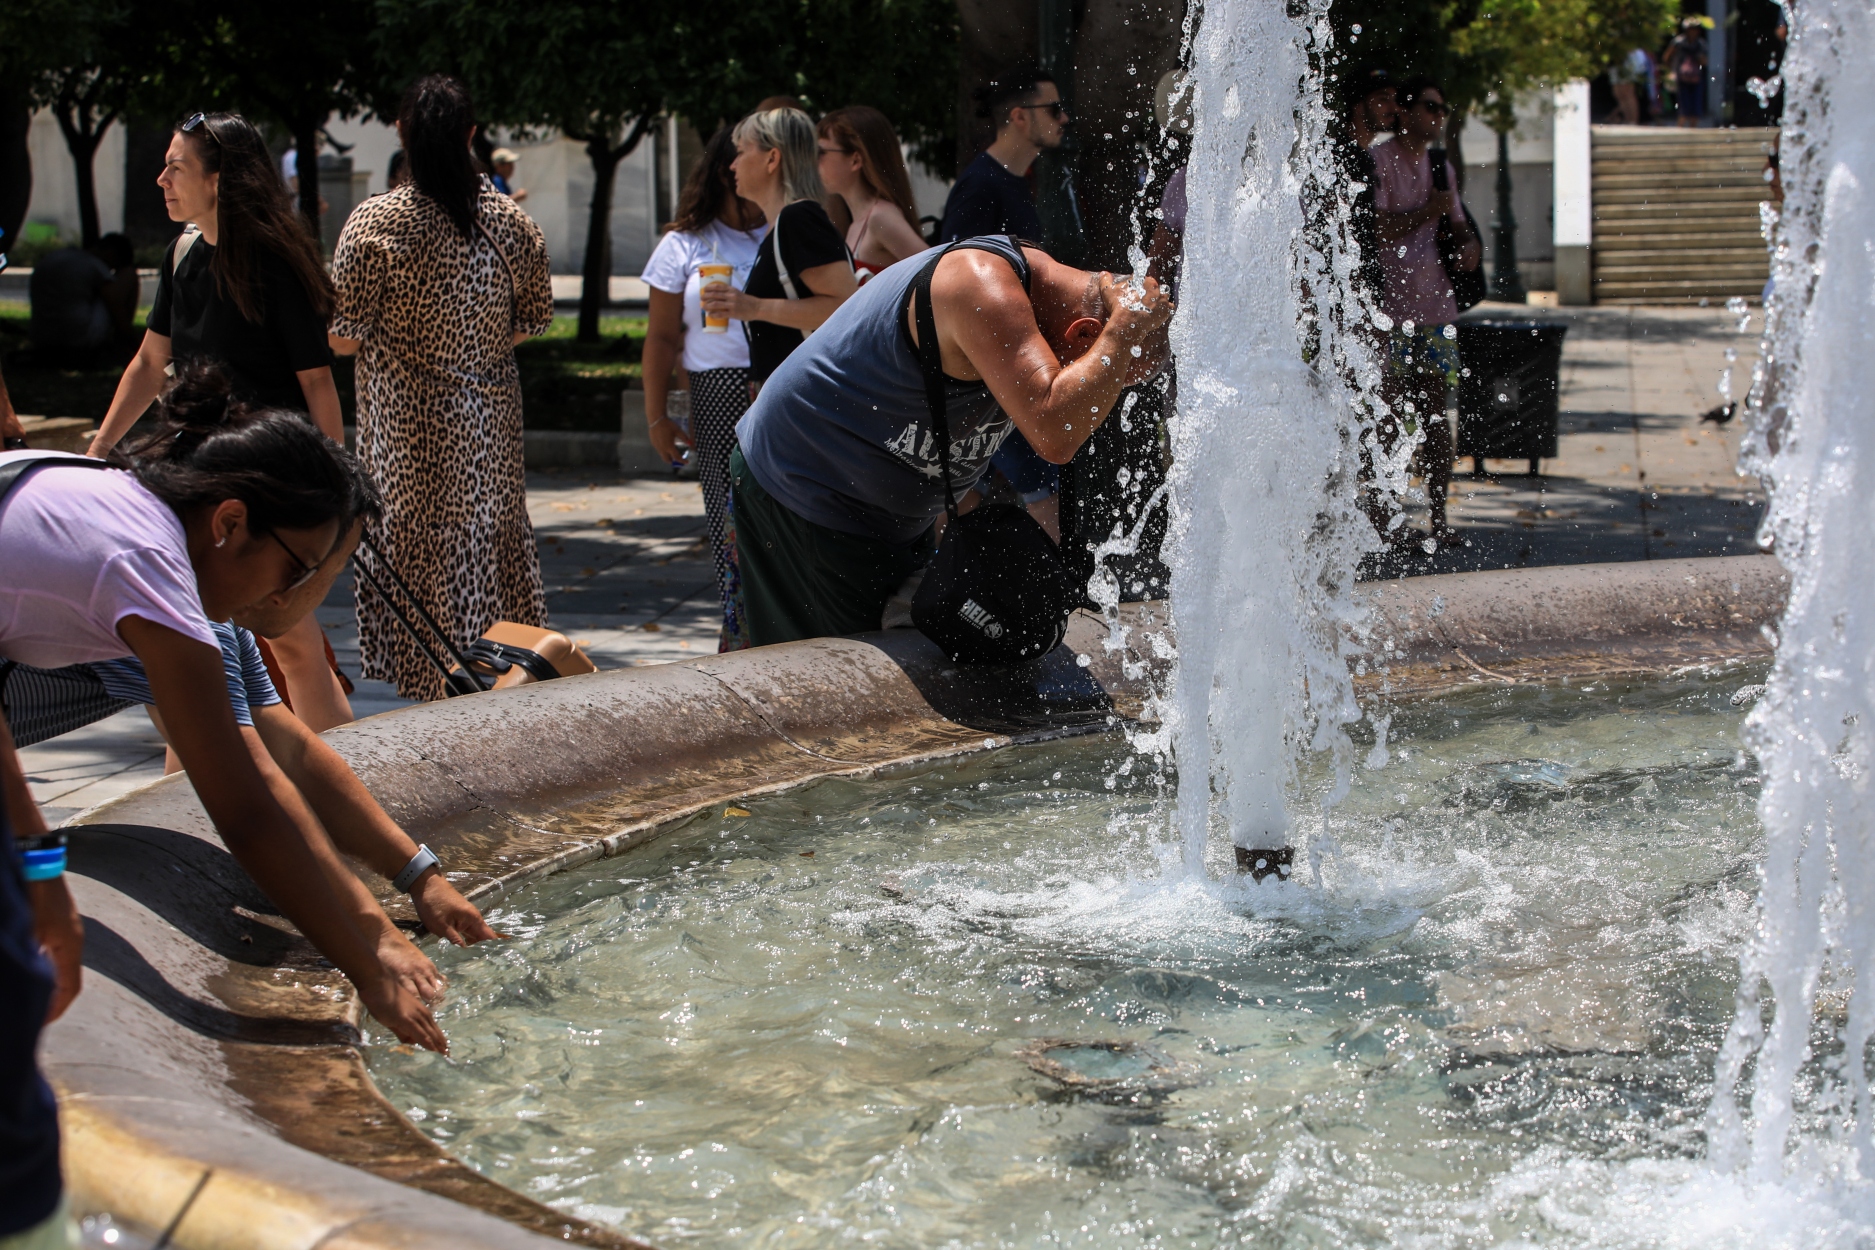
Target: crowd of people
[(848, 378)]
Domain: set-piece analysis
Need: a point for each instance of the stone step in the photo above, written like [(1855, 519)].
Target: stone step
[(1648, 219), (1701, 180), (1703, 273), (1749, 194), (1679, 244), (1660, 251), (1639, 292)]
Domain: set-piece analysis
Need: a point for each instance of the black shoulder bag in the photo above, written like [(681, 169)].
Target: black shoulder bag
[(1467, 284), (997, 590)]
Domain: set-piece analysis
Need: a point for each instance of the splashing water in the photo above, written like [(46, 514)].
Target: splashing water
[(1812, 440), (1266, 531)]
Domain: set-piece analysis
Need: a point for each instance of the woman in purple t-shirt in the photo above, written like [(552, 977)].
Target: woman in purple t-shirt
[(222, 511)]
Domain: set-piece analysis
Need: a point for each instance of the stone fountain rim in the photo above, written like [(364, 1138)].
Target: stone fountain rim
[(186, 1070)]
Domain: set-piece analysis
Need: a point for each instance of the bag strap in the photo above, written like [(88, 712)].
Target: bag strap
[(931, 364), (14, 471), (931, 357), (190, 233), (781, 268), (514, 288)]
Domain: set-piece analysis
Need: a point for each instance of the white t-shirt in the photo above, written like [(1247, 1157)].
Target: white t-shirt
[(81, 549), (673, 268)]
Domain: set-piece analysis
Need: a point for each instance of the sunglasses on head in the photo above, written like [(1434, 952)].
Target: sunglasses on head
[(198, 122)]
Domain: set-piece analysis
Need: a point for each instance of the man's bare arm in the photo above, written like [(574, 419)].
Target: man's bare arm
[(987, 329)]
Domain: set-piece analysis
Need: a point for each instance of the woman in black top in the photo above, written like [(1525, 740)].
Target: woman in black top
[(247, 288), (776, 166)]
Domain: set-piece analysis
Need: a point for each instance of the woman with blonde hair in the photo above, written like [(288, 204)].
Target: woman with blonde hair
[(862, 162), (803, 272)]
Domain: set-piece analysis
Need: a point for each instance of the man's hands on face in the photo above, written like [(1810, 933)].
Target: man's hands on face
[(447, 914), (1141, 316)]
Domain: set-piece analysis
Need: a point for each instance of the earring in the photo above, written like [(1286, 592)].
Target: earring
[(222, 541)]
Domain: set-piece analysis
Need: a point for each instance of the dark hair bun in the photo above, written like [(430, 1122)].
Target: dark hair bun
[(200, 399)]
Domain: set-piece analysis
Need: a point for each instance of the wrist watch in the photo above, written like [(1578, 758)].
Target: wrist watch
[(43, 857), (420, 863)]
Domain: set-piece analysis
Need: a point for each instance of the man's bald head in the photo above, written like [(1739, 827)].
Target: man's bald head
[(1070, 310)]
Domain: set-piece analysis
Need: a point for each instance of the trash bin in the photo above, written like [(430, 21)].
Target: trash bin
[(1507, 395)]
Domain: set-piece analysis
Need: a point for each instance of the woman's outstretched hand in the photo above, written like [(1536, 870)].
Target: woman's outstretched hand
[(447, 914), (393, 1005)]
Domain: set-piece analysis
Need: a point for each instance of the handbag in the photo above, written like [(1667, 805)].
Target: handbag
[(996, 590), (1467, 284)]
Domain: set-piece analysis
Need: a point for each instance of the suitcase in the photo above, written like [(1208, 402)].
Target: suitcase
[(506, 655)]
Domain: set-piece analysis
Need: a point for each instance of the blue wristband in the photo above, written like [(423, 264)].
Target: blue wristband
[(46, 865)]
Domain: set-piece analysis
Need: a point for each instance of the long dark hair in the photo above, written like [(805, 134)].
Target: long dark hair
[(208, 447), (437, 116), (254, 215), (711, 187), (869, 132)]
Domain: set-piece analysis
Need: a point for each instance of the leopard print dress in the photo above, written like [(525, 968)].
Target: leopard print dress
[(439, 415)]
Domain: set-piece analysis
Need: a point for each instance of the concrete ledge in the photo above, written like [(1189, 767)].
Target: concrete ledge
[(210, 1039)]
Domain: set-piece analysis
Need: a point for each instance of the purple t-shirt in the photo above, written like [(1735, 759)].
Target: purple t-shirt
[(81, 549), (1416, 288), (1173, 206)]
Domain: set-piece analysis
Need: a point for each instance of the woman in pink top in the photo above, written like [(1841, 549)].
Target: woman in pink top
[(1416, 294), (221, 511), (862, 163)]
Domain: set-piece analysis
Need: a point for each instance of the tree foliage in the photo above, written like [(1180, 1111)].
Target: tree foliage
[(1484, 52)]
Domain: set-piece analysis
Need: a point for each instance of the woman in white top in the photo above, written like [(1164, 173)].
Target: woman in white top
[(862, 163), (222, 511), (714, 226)]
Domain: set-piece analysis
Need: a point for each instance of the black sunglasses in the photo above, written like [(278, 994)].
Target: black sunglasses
[(306, 571), (1054, 109)]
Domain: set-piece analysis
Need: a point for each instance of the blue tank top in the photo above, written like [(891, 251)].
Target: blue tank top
[(841, 433)]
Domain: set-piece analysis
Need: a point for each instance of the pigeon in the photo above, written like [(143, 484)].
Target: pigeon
[(1721, 414)]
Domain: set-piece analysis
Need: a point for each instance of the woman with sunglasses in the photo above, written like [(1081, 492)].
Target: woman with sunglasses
[(1416, 293), (221, 510), (803, 271), (862, 163), (244, 287)]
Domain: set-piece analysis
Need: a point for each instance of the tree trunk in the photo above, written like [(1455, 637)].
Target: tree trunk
[(16, 161), (306, 145), (81, 140), (595, 274)]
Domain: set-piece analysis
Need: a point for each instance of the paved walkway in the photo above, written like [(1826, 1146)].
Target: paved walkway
[(628, 575), (1638, 475)]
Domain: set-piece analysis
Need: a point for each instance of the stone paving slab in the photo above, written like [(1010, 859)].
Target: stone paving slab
[(628, 574), (1638, 474)]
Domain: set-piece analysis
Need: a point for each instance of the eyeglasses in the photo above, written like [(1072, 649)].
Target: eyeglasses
[(1054, 108), (836, 151), (306, 571), (199, 121), (1436, 107)]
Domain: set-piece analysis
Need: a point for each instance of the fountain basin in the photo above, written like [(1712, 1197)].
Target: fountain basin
[(210, 1042)]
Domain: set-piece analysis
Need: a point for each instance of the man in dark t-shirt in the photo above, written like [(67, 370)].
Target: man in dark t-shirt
[(991, 195)]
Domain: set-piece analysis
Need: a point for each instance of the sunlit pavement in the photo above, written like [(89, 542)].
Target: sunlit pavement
[(1638, 476), (629, 577)]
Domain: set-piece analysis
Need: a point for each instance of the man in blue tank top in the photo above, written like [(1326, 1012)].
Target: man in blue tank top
[(836, 482)]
